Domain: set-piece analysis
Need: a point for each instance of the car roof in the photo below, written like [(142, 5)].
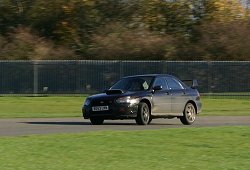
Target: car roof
[(150, 75)]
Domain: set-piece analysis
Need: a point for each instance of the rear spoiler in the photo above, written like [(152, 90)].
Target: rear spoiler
[(194, 83)]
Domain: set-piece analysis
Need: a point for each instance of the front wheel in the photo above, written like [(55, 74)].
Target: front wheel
[(189, 114), (96, 121), (143, 115)]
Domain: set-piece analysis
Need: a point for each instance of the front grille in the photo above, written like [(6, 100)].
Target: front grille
[(105, 102)]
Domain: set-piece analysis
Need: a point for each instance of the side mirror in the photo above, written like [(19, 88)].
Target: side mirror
[(157, 88), (194, 84)]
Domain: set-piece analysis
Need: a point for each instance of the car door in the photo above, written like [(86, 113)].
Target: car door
[(161, 98), (178, 95)]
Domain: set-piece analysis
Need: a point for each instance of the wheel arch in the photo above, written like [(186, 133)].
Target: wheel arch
[(148, 103), (192, 102)]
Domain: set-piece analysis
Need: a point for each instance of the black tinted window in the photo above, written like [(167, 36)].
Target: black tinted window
[(161, 82), (133, 83), (173, 84)]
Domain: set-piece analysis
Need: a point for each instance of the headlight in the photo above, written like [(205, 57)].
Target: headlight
[(87, 102), (127, 99)]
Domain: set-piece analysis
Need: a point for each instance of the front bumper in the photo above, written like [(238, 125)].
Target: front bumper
[(121, 111)]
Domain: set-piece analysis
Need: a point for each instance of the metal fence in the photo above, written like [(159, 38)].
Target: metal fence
[(90, 76)]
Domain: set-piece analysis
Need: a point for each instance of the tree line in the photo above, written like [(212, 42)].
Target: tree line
[(124, 30)]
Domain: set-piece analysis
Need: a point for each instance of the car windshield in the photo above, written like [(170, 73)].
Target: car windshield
[(133, 83)]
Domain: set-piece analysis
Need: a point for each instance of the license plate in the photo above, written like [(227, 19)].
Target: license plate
[(100, 108)]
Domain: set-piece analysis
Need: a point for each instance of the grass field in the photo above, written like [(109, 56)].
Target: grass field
[(185, 148), (13, 107), (224, 106)]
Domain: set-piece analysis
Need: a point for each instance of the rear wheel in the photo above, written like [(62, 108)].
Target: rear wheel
[(189, 114), (96, 120), (143, 115)]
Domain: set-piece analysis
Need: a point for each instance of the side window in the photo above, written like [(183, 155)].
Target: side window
[(161, 82), (173, 84)]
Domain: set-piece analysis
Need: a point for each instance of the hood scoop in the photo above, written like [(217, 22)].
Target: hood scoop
[(114, 91)]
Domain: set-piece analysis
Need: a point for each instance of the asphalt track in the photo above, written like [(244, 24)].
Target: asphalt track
[(31, 126)]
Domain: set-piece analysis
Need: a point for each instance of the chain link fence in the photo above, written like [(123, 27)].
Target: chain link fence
[(76, 77)]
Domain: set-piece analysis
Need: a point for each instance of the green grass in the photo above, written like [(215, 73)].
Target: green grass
[(14, 107), (224, 106), (186, 148)]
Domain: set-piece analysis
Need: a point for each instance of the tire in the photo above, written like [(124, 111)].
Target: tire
[(143, 115), (189, 114), (96, 121)]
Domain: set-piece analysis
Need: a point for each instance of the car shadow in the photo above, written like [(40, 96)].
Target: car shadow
[(57, 123), (89, 124)]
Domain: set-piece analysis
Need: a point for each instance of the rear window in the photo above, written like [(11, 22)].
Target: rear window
[(173, 84)]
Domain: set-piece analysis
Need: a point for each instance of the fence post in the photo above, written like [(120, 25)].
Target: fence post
[(121, 69), (164, 68), (35, 78), (210, 79)]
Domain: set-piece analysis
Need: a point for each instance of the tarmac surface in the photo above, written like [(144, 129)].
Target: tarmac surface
[(32, 126)]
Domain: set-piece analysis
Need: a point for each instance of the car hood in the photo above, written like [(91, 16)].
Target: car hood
[(111, 95)]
